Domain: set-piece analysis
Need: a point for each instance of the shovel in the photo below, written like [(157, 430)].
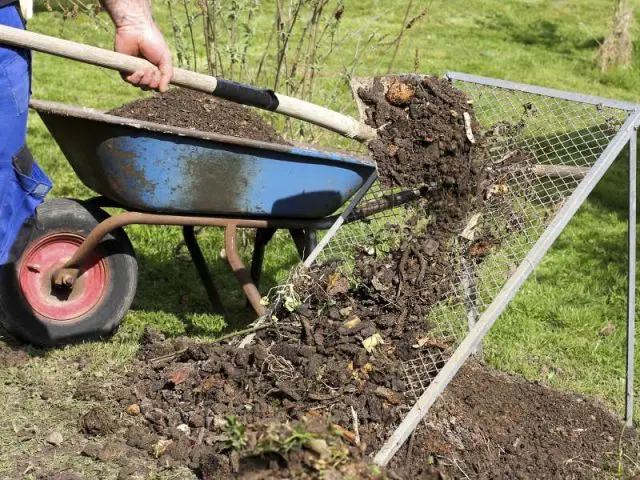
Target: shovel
[(218, 87)]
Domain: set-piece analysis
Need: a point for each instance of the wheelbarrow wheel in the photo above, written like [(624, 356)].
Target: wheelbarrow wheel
[(35, 311)]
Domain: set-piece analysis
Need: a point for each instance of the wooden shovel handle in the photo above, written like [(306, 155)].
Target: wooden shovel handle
[(236, 92)]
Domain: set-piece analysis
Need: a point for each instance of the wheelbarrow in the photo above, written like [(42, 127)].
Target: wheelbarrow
[(77, 275)]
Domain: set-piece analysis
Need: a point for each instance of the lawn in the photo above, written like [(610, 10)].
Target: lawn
[(552, 331)]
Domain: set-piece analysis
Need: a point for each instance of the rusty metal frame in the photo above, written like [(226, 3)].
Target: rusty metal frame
[(68, 273)]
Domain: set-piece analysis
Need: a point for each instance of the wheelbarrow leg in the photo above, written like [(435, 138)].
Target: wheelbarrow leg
[(240, 271), (263, 237), (200, 263), (305, 240)]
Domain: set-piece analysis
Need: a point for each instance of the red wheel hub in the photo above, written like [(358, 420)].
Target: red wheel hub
[(61, 304)]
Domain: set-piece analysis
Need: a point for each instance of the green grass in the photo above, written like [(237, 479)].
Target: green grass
[(551, 330)]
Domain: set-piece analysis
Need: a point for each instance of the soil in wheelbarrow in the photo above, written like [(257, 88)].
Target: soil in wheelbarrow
[(198, 111)]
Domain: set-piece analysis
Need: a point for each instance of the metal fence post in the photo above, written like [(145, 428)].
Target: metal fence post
[(631, 294)]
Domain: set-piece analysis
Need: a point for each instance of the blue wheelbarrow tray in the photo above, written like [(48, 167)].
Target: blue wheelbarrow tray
[(149, 167)]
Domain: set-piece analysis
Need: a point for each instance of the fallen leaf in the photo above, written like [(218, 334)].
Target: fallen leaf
[(389, 395), (344, 433), (158, 448), (367, 368), (354, 322), (337, 285), (133, 409), (431, 342), (608, 329), (372, 342), (346, 311), (469, 231)]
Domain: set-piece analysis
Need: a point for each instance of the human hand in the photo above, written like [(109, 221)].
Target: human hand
[(145, 40)]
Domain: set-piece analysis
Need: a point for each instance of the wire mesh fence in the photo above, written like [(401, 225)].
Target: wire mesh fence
[(542, 146)]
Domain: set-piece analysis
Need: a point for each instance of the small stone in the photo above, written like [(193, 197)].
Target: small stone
[(351, 324), (400, 94), (319, 446), (133, 409), (45, 394), (184, 428), (92, 450), (111, 451), (54, 438)]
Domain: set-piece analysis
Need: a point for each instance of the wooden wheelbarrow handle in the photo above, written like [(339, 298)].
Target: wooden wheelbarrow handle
[(236, 92)]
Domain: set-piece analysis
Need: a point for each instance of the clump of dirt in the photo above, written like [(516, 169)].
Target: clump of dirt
[(12, 356), (89, 390), (427, 136), (97, 422), (198, 111), (288, 406), (519, 430)]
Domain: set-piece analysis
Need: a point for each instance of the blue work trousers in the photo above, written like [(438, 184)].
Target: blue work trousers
[(23, 185)]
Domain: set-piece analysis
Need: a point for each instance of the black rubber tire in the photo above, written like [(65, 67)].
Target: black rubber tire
[(71, 216)]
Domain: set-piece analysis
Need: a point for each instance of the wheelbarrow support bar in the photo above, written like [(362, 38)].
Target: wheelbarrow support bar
[(236, 92)]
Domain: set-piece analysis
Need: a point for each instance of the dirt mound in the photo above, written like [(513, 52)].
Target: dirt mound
[(199, 111), (492, 425), (212, 402), (261, 413)]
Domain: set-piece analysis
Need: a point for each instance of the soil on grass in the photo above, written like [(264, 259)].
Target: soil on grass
[(12, 355), (259, 413), (491, 425), (198, 111)]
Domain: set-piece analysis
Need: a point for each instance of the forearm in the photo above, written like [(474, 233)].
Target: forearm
[(125, 13)]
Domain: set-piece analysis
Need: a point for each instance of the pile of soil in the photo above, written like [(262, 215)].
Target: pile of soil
[(491, 425), (328, 376), (262, 413), (198, 111), (318, 373)]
